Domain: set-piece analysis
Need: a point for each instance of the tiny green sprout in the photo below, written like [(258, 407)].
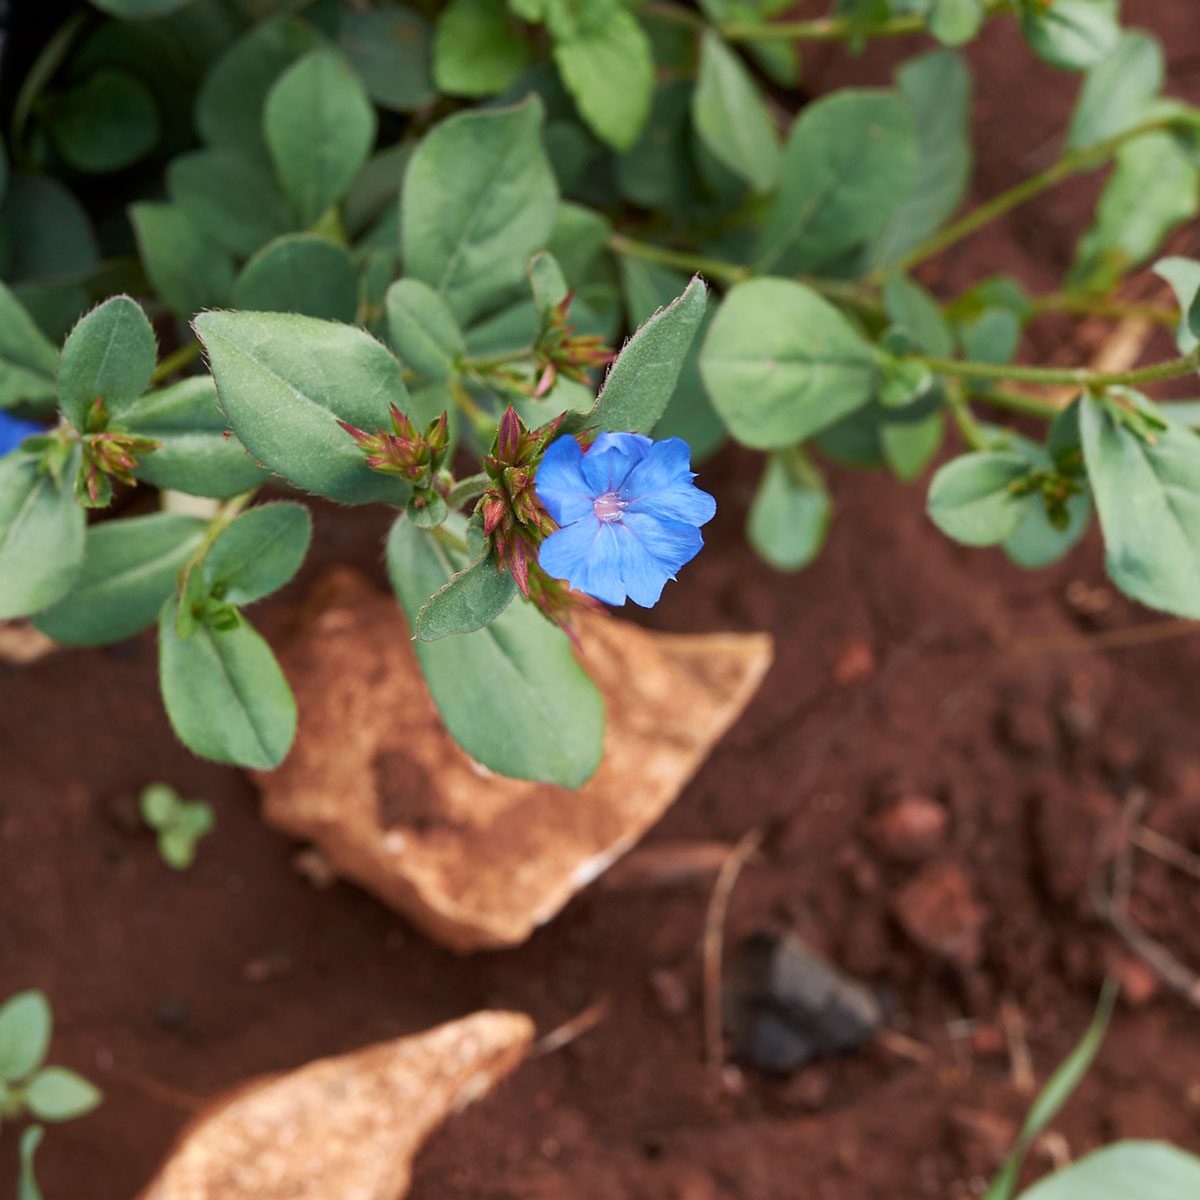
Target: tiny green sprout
[(179, 823), (27, 1088)]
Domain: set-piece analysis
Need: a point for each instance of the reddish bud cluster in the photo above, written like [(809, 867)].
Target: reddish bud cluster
[(108, 456), (516, 520), (406, 452), (560, 350)]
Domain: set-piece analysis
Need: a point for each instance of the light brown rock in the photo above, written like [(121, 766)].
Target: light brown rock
[(21, 643), (347, 1127), (475, 859)]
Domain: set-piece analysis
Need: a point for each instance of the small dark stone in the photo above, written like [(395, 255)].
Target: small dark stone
[(172, 1013), (785, 1006)]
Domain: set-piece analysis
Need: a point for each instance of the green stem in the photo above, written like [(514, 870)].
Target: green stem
[(835, 29), (221, 521), (842, 291), (175, 362), (443, 535), (964, 418), (1104, 306), (1031, 406), (1076, 161), (488, 362), (1062, 376)]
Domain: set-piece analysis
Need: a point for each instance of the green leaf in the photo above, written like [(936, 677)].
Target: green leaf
[(547, 281), (105, 123), (936, 89), (955, 22), (159, 805), (41, 536), (139, 10), (1036, 543), (28, 361), (1145, 1170), (511, 694), (422, 329), (608, 67), (109, 356), (780, 363), (188, 271), (1183, 274), (912, 306), (320, 127), (26, 1023), (130, 567), (910, 440), (732, 117), (285, 381), (1072, 34), (476, 51), (790, 515), (232, 199), (641, 382), (1066, 1078), (471, 599), (479, 200), (56, 1094), (374, 196), (225, 694), (848, 158), (49, 234), (389, 48), (300, 273), (258, 552), (971, 498), (1148, 498), (229, 105), (27, 1186), (1118, 91), (197, 453)]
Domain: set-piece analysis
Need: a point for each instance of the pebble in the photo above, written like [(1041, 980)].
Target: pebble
[(785, 1006), (855, 663), (912, 829), (940, 913)]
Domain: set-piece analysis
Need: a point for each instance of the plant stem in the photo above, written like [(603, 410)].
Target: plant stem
[(683, 260), (964, 418), (1031, 406), (221, 521), (836, 29), (1062, 376), (1104, 306), (843, 291), (487, 362), (175, 362), (1086, 159)]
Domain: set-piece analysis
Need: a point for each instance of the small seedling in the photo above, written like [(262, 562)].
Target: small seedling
[(179, 823), (27, 1088)]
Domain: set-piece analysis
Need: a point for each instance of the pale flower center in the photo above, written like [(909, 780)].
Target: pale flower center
[(609, 506)]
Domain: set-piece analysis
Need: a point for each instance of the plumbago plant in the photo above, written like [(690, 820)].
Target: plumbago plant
[(405, 239)]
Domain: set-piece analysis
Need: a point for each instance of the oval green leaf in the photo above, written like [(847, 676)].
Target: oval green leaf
[(56, 1094), (26, 1023), (300, 273), (225, 693), (285, 381), (130, 567), (780, 363), (258, 552), (109, 356), (511, 694), (971, 500)]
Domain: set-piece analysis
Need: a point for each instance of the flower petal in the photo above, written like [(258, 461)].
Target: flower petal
[(643, 576), (635, 445), (560, 484), (605, 469), (679, 502), (586, 555), (668, 462), (669, 543)]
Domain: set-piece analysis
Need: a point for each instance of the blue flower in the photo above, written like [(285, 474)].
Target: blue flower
[(13, 431), (628, 511)]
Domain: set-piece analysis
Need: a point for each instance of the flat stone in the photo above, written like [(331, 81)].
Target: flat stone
[(475, 859), (346, 1127), (938, 909), (784, 1005)]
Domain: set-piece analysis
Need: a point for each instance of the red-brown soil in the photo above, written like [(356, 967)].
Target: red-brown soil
[(906, 666)]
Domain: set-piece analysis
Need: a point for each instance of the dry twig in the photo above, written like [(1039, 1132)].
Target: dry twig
[(571, 1030), (714, 942)]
